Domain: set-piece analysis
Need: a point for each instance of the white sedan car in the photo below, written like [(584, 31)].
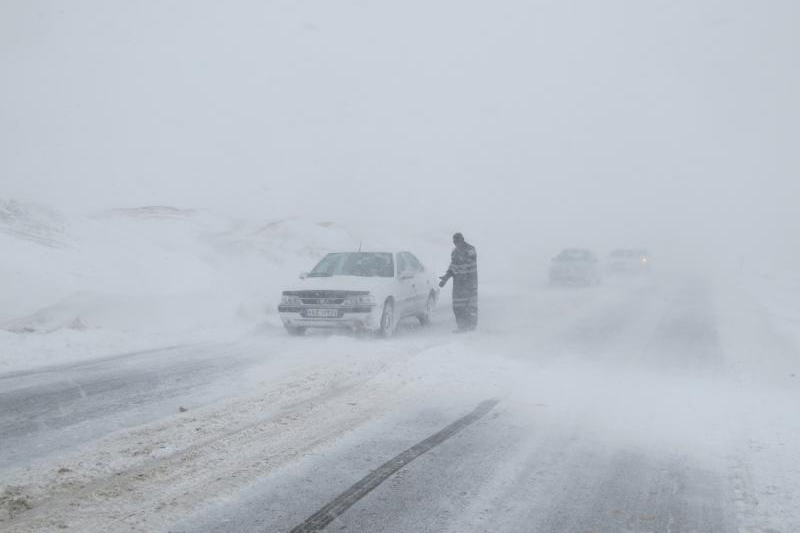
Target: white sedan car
[(368, 291)]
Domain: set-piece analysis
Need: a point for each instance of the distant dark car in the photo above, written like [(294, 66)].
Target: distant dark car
[(628, 261), (575, 266)]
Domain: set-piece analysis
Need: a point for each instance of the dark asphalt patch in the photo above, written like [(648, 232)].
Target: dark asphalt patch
[(319, 520)]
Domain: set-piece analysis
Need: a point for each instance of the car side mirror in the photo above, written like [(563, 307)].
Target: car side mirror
[(303, 275), (406, 274)]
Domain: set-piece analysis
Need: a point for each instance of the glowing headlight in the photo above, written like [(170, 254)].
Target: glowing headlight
[(287, 299)]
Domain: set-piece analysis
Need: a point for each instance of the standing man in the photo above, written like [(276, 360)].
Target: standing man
[(464, 271)]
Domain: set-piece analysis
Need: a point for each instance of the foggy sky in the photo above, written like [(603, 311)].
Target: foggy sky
[(633, 119)]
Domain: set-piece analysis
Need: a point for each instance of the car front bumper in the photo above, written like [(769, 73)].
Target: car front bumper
[(359, 318)]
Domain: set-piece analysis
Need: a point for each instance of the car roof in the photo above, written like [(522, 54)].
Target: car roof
[(639, 251), (373, 252)]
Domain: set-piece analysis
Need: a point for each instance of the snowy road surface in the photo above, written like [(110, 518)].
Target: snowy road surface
[(641, 406), (94, 398)]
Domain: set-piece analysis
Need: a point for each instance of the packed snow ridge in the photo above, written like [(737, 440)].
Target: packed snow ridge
[(33, 223)]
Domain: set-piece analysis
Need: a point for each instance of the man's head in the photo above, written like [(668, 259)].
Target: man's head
[(458, 239)]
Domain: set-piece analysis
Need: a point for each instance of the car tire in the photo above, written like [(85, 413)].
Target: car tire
[(295, 331), (388, 321), (426, 318)]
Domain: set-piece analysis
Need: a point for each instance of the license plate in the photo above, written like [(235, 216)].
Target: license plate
[(322, 313)]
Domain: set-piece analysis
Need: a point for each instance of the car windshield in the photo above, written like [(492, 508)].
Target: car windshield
[(629, 253), (573, 255), (367, 264)]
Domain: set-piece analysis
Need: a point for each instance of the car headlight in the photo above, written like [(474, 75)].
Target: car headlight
[(288, 299), (364, 299)]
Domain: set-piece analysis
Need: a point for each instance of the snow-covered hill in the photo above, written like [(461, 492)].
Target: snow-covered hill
[(74, 287)]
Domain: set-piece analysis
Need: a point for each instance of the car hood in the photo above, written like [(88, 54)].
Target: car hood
[(339, 283)]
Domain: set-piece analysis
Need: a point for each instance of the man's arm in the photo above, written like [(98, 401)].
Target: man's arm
[(447, 276), (450, 271)]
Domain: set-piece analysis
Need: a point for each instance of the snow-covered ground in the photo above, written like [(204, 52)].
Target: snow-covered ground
[(660, 403), (777, 289), (644, 398)]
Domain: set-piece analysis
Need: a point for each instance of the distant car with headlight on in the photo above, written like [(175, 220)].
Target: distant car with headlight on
[(575, 266), (366, 291), (628, 261)]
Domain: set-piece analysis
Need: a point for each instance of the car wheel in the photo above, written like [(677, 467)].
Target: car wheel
[(295, 331), (427, 317), (388, 324)]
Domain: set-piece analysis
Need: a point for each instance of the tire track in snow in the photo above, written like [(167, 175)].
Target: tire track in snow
[(319, 520)]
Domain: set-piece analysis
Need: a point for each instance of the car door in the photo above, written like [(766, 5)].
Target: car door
[(421, 285), (405, 281)]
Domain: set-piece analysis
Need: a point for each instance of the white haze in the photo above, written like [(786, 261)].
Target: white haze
[(588, 123), (167, 168)]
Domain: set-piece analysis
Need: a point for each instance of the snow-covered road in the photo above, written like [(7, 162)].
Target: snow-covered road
[(638, 406), (53, 409)]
